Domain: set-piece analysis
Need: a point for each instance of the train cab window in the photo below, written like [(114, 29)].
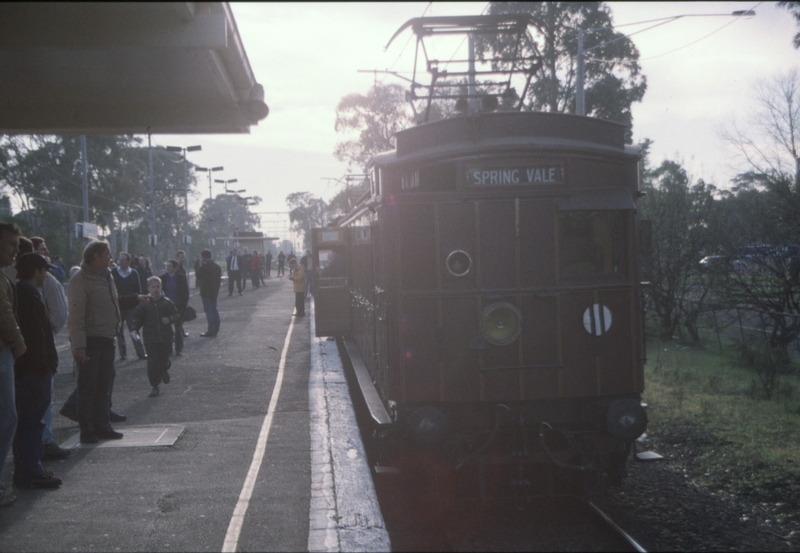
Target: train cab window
[(332, 263), (436, 178), (375, 182), (592, 244)]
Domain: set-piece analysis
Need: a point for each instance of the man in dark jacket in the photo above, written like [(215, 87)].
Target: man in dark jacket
[(246, 260), (268, 264), (210, 277), (281, 261), (33, 373), (175, 288), (180, 257), (128, 283), (234, 262)]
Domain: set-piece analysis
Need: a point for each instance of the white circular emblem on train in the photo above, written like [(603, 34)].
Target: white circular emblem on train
[(458, 263), (597, 319)]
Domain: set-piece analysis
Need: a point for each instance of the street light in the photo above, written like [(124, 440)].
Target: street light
[(580, 101), (225, 182), (185, 185), (208, 170)]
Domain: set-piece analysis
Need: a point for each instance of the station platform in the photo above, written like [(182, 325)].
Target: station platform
[(252, 446)]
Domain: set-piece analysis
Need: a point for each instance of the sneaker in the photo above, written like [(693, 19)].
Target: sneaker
[(154, 393), (165, 377), (108, 434), (7, 498), (54, 453), (46, 480)]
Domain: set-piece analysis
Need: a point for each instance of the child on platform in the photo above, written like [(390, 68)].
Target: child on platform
[(156, 317)]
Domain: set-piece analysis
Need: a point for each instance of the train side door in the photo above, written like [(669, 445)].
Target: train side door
[(332, 296)]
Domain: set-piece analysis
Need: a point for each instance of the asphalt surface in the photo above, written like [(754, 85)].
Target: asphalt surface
[(182, 497)]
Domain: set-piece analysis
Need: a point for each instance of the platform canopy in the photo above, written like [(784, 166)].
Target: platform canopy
[(125, 68)]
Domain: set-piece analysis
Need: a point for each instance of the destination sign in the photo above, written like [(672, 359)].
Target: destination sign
[(536, 174)]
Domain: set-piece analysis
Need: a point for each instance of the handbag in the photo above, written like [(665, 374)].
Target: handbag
[(189, 314)]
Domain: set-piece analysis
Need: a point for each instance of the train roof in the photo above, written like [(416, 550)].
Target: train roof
[(506, 132)]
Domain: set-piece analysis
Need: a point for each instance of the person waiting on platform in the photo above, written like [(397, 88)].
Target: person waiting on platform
[(156, 319), (255, 269), (33, 374), (175, 287), (298, 276)]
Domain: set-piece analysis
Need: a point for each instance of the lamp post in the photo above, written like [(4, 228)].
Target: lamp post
[(208, 170), (185, 187), (580, 100), (226, 183)]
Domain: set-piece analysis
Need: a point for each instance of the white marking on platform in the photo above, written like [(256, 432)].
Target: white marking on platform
[(133, 436)]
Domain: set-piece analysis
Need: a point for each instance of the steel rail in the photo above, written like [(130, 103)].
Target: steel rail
[(619, 531)]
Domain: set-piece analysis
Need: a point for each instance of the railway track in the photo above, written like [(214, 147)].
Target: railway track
[(430, 517)]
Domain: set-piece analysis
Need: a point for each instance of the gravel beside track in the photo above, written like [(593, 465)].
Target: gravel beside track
[(662, 505)]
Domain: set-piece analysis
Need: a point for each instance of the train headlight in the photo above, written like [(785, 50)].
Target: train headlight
[(626, 419), (501, 323)]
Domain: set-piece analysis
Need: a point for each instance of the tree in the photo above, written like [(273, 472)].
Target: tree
[(226, 213), (305, 213), (794, 9), (770, 143), (761, 226), (375, 117), (612, 73), (44, 174), (371, 120), (681, 213), (761, 231)]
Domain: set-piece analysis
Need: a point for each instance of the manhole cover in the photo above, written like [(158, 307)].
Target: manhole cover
[(134, 436)]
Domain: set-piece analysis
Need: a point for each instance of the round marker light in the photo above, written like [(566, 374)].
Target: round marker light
[(501, 323), (458, 263)]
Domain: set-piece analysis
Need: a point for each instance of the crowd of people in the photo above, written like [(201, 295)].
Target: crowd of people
[(102, 299)]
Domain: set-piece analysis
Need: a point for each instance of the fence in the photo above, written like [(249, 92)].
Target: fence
[(725, 326)]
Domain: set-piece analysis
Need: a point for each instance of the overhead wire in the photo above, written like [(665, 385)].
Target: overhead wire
[(663, 22), (735, 19)]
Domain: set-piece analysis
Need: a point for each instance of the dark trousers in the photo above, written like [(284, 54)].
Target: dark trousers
[(157, 361), (32, 398), (234, 276), (95, 379), (300, 303), (268, 269), (245, 276), (178, 337), (280, 269), (212, 315), (127, 318), (256, 276)]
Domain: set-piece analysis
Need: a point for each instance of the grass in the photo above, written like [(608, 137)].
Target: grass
[(709, 413)]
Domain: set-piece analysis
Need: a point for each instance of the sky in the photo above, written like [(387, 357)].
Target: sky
[(700, 77)]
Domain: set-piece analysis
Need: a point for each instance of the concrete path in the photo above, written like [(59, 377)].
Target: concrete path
[(153, 496)]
